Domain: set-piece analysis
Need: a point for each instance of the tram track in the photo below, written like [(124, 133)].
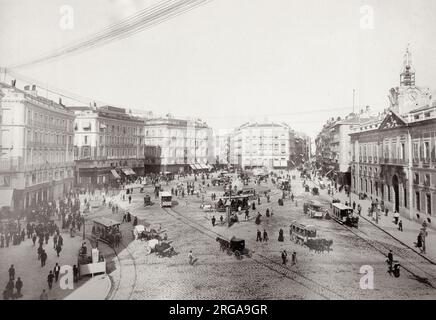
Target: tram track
[(116, 285), (320, 290), (401, 250)]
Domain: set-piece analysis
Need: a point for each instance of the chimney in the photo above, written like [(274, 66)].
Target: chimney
[(33, 87), (26, 88), (60, 101), (13, 82)]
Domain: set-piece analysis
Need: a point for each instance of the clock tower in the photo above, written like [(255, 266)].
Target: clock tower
[(408, 96)]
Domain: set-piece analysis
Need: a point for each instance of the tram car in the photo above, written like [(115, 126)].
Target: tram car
[(344, 215), (301, 233), (313, 209), (105, 229), (250, 192), (235, 203), (166, 199)]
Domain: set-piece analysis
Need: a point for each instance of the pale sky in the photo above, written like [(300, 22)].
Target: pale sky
[(231, 61)]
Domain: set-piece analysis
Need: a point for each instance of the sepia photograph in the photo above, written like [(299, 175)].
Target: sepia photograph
[(232, 151)]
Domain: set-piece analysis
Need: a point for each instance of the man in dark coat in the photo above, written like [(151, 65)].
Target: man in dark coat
[(60, 241), (11, 272), (284, 257), (259, 236), (56, 271), (19, 286), (43, 258), (58, 249), (50, 278)]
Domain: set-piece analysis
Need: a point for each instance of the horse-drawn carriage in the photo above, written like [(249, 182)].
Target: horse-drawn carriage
[(147, 200), (319, 245), (315, 191), (234, 246), (306, 235), (160, 248), (314, 209)]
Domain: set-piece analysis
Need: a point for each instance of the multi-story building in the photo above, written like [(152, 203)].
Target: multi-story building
[(262, 145), (394, 157), (222, 148), (301, 155), (334, 148), (37, 147), (108, 145), (185, 145)]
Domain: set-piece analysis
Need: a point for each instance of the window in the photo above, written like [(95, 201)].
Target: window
[(426, 149), (416, 178), (405, 197), (417, 201), (427, 179), (402, 151), (415, 150), (428, 202)]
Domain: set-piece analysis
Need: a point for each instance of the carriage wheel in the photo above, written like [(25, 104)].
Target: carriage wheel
[(238, 254), (147, 249)]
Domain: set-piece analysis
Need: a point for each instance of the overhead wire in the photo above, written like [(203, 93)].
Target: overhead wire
[(145, 19)]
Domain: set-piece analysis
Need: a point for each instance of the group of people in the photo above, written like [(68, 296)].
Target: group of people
[(12, 285)]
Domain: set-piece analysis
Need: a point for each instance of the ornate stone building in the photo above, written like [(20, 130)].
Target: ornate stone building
[(394, 156), (37, 162)]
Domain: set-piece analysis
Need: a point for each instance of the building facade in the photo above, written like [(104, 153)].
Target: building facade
[(267, 145), (333, 146), (394, 157), (222, 148), (185, 145), (108, 145), (37, 141)]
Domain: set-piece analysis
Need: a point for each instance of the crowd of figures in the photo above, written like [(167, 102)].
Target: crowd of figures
[(44, 221)]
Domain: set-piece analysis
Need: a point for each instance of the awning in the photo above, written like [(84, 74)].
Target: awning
[(6, 197), (197, 167), (193, 167), (128, 171), (115, 174)]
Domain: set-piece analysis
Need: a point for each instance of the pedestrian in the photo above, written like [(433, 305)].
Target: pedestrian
[(11, 272), (56, 271), (390, 257), (55, 241), (47, 236), (259, 236), (50, 278), (354, 205), (43, 258), (284, 257), (10, 289), (60, 241), (359, 209), (213, 221), (221, 219), (281, 237), (43, 295), (124, 217), (386, 212), (75, 273), (19, 286), (130, 199), (265, 235), (294, 258), (190, 257), (400, 225), (247, 214), (396, 217)]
